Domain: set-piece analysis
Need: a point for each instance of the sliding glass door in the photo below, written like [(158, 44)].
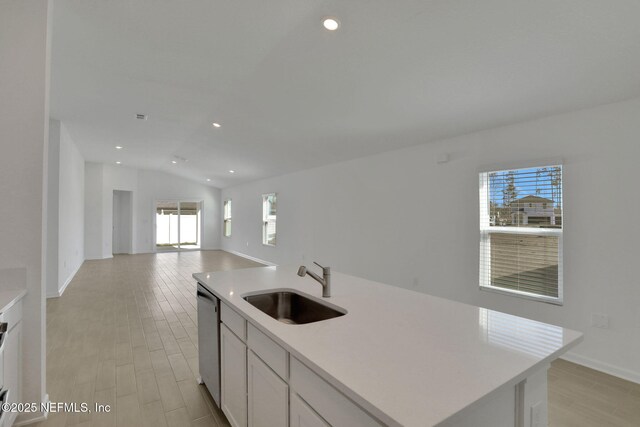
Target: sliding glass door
[(178, 225)]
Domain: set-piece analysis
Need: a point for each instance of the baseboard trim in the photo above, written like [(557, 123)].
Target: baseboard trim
[(66, 283), (252, 258), (98, 258), (598, 365), (71, 276), (37, 419)]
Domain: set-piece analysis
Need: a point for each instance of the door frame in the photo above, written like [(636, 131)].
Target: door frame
[(130, 218), (154, 231)]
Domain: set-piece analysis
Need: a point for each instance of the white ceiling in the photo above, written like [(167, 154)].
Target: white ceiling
[(291, 95)]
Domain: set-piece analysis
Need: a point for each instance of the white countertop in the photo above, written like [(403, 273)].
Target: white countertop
[(8, 297), (408, 358)]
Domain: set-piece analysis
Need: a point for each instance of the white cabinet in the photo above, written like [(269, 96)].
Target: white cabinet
[(11, 359), (328, 402), (11, 363), (268, 351), (233, 366), (302, 415), (268, 395), (262, 385)]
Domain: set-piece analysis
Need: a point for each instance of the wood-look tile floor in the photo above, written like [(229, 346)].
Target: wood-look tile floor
[(125, 334), (583, 397)]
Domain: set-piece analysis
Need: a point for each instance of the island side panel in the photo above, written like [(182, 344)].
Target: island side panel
[(522, 405)]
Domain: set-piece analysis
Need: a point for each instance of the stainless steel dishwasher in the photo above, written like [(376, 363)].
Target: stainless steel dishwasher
[(209, 341)]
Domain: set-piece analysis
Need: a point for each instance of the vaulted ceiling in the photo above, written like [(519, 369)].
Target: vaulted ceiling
[(290, 95)]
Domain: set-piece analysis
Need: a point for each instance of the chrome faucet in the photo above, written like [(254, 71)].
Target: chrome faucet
[(325, 281)]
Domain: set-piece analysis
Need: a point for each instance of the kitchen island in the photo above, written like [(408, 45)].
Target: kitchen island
[(398, 356)]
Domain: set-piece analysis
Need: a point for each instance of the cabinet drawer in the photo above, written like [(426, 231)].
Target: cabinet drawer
[(234, 321), (270, 352), (336, 408), (12, 315)]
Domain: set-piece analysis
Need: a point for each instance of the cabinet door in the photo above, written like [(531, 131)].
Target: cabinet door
[(12, 367), (233, 355), (302, 415), (268, 395)]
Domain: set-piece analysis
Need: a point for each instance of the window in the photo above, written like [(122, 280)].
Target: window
[(521, 232), (227, 218), (269, 207)]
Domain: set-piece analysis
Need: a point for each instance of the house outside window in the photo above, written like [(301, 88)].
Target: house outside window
[(269, 212), (227, 218), (521, 232)]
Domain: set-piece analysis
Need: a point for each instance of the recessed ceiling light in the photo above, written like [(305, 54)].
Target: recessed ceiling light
[(118, 147), (141, 116), (232, 171), (208, 179), (331, 24), (216, 125), (174, 161), (118, 162)]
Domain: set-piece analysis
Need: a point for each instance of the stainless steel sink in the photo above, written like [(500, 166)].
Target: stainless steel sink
[(292, 308)]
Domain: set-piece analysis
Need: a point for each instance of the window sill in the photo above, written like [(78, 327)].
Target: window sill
[(523, 295)]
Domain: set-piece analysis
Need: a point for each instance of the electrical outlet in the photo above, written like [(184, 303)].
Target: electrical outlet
[(600, 320), (536, 415)]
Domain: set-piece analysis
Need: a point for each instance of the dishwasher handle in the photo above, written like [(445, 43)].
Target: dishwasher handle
[(205, 296), (208, 296)]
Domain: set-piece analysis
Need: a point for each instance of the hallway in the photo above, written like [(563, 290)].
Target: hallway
[(124, 334)]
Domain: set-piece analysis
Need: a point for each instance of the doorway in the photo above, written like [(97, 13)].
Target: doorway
[(122, 237), (178, 225)]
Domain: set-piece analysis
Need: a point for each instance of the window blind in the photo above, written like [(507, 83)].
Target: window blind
[(521, 231)]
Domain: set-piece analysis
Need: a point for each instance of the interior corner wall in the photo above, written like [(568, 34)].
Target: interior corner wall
[(147, 187), (404, 219), (24, 126), (71, 210)]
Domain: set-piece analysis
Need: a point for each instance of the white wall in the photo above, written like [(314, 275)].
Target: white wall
[(147, 187), (71, 210), (24, 127), (53, 199), (403, 219)]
